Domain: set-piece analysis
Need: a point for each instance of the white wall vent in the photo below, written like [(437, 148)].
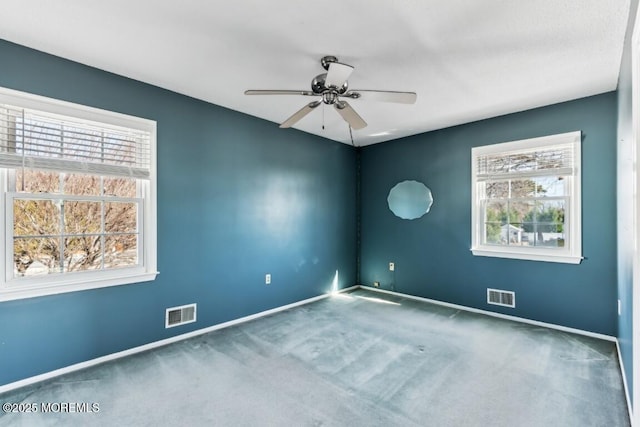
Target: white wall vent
[(180, 315), (503, 298)]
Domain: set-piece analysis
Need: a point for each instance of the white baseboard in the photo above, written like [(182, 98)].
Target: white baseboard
[(624, 382), (499, 315), (86, 364)]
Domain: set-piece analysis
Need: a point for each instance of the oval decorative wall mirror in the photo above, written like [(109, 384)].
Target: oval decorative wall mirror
[(410, 199)]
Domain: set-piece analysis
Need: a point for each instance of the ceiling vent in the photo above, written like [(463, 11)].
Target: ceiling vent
[(503, 298), (180, 315)]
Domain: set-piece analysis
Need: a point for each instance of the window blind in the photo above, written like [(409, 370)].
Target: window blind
[(40, 140), (542, 161)]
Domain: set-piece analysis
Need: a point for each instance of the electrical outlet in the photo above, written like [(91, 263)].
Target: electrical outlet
[(392, 266), (267, 279), (376, 284)]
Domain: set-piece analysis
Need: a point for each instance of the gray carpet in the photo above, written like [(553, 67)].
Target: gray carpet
[(360, 359)]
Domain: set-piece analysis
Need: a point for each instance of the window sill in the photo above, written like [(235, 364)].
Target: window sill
[(9, 292), (527, 255)]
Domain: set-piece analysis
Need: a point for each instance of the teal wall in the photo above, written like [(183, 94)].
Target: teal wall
[(237, 198), (626, 232), (431, 254)]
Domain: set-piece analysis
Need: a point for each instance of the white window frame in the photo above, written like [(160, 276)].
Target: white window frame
[(571, 253), (27, 287)]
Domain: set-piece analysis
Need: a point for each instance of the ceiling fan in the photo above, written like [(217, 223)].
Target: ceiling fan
[(331, 87)]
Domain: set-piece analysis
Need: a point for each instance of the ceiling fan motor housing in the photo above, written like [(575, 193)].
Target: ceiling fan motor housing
[(329, 94)]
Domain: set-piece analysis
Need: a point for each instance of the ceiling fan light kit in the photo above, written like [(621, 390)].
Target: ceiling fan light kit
[(330, 87)]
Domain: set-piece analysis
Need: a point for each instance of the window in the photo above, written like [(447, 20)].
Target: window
[(78, 187), (526, 199)]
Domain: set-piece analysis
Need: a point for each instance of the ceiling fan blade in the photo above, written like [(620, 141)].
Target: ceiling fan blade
[(300, 114), (349, 115), (338, 74), (383, 95), (279, 92)]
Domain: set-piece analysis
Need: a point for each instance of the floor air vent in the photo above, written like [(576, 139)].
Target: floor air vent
[(503, 298), (180, 315)]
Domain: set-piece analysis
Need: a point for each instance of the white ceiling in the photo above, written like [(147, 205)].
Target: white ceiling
[(466, 59)]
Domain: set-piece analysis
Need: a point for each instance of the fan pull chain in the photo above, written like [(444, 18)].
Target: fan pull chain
[(351, 135), (323, 116)]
